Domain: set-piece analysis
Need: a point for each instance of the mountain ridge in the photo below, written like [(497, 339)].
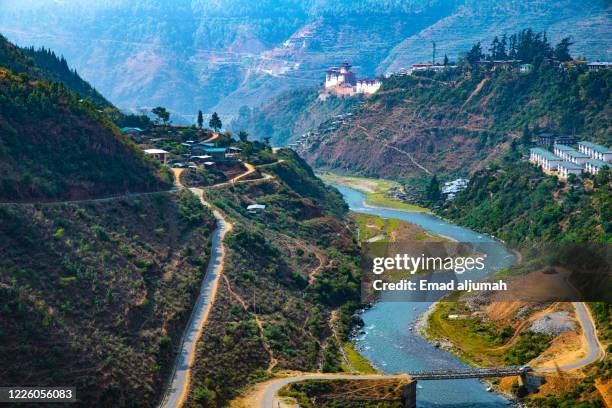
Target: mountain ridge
[(230, 53)]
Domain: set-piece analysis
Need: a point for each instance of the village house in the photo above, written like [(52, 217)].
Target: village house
[(216, 153), (500, 64), (158, 154), (566, 168), (131, 130), (593, 166), (525, 68), (200, 159), (595, 151)]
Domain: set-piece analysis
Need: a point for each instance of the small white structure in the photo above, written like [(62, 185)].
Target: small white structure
[(545, 159), (451, 188), (158, 154), (566, 168), (255, 208), (203, 158), (525, 68), (593, 166), (595, 151)]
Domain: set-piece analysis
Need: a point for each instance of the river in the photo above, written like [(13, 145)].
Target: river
[(391, 345)]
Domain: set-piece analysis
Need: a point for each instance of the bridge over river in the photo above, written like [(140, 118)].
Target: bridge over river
[(266, 397), (457, 374)]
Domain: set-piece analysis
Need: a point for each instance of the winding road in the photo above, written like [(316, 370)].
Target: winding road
[(595, 350), (177, 391)]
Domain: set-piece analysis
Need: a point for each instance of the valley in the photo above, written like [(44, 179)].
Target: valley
[(151, 263)]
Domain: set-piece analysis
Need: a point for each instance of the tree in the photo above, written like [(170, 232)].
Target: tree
[(266, 140), (433, 190), (243, 136), (215, 122), (562, 50), (200, 119), (475, 54), (445, 60), (162, 115), (526, 137)]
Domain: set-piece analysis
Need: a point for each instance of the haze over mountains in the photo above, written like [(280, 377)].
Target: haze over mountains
[(220, 55)]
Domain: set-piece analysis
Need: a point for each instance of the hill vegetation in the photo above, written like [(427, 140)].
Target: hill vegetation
[(56, 146), (456, 121), (97, 294), (291, 282), (45, 64)]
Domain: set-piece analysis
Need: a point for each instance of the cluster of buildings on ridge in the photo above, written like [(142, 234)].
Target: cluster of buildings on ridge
[(200, 153), (565, 160), (500, 64), (343, 82), (451, 188)]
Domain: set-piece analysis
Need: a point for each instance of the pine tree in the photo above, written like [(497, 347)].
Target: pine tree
[(200, 119), (475, 54)]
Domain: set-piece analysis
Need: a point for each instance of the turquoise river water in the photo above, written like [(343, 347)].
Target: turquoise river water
[(390, 341)]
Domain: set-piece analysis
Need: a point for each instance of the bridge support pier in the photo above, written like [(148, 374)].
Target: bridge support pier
[(531, 382), (409, 395)]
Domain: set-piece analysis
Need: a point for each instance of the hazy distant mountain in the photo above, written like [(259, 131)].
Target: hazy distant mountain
[(222, 54)]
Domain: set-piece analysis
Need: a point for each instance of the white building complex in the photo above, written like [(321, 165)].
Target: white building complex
[(595, 151), (566, 168), (570, 154), (545, 159), (565, 160)]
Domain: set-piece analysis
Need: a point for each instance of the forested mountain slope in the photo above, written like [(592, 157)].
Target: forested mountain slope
[(97, 294), (54, 146), (45, 64), (220, 55)]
